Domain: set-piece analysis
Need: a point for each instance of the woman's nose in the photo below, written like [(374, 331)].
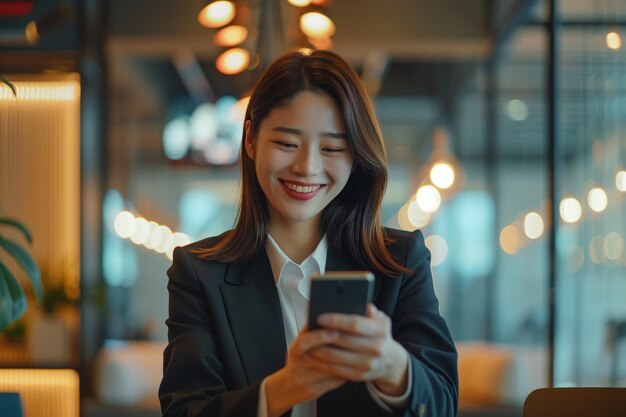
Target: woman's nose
[(308, 163)]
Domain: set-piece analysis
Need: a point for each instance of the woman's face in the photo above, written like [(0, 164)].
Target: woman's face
[(301, 158)]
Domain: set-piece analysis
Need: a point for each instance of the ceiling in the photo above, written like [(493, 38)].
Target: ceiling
[(432, 51)]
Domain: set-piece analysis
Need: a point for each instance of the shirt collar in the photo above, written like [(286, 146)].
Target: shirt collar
[(278, 258)]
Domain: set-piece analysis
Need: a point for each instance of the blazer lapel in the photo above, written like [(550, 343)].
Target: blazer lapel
[(254, 314)]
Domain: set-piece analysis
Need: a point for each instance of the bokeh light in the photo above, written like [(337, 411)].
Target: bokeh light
[(141, 234), (517, 110), (416, 216), (620, 180), (442, 175), (597, 199), (124, 224), (317, 25), (216, 14), (510, 239), (204, 125), (570, 210), (299, 3), (613, 40), (233, 61), (613, 246), (230, 36), (428, 198), (438, 249), (533, 225), (596, 249), (575, 258), (177, 138)]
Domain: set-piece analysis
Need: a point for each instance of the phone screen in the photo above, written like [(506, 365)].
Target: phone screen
[(346, 292)]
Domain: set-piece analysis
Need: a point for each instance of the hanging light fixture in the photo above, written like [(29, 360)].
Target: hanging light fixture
[(299, 3), (217, 14), (317, 25), (231, 35), (233, 61), (442, 169)]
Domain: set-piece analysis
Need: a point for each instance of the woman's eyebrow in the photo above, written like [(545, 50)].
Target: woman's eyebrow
[(299, 132)]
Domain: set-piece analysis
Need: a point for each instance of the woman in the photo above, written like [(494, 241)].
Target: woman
[(313, 177)]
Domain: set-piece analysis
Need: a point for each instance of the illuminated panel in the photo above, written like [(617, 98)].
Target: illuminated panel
[(42, 91), (44, 392)]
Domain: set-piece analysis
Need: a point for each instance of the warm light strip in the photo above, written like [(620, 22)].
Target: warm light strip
[(44, 392), (149, 234), (42, 91)]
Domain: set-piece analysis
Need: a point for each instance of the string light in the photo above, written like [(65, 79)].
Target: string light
[(149, 234), (597, 199), (416, 216), (570, 210), (613, 40), (428, 198), (533, 225), (510, 239)]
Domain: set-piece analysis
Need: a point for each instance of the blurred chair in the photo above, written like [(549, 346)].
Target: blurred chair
[(576, 402), (11, 404)]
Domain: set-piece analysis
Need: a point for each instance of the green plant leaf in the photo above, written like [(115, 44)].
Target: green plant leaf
[(9, 84), (12, 298), (19, 226), (26, 262)]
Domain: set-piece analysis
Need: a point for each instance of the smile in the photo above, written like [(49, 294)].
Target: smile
[(301, 192), (304, 189)]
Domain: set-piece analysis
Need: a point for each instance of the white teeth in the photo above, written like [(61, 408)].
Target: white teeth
[(301, 189)]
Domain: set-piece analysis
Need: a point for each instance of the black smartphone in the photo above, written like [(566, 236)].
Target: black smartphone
[(346, 292)]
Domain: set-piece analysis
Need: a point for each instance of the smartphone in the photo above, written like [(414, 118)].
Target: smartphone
[(346, 292)]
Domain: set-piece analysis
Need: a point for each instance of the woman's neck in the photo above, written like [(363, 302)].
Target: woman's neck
[(297, 239)]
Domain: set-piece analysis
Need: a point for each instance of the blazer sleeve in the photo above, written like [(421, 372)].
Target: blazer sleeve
[(193, 383), (418, 326)]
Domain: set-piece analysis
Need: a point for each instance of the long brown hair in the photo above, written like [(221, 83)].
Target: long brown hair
[(352, 220)]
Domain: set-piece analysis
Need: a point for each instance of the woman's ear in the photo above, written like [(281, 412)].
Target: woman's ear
[(249, 141)]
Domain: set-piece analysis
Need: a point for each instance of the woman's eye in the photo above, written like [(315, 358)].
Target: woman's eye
[(287, 145), (333, 150)]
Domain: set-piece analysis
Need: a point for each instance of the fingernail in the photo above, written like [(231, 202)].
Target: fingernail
[(323, 319), (332, 334)]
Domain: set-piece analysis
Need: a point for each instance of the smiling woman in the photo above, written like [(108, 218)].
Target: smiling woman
[(302, 162), (314, 171)]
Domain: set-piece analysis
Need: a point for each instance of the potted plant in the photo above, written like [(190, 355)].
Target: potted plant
[(13, 302), (12, 296)]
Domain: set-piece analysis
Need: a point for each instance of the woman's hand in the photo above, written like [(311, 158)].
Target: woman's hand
[(299, 381), (364, 351)]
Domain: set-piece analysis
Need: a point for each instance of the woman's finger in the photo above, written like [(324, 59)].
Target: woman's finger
[(353, 324), (362, 373), (362, 361), (309, 340), (360, 344)]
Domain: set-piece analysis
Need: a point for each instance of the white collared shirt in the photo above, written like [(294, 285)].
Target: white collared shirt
[(292, 282)]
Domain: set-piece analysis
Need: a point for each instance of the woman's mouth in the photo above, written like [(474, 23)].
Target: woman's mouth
[(301, 191)]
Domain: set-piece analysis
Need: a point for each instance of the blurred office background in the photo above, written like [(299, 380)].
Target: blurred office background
[(501, 118)]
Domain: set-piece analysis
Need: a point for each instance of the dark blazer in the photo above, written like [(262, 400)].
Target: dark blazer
[(226, 334)]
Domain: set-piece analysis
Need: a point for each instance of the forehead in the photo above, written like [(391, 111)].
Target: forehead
[(308, 109)]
